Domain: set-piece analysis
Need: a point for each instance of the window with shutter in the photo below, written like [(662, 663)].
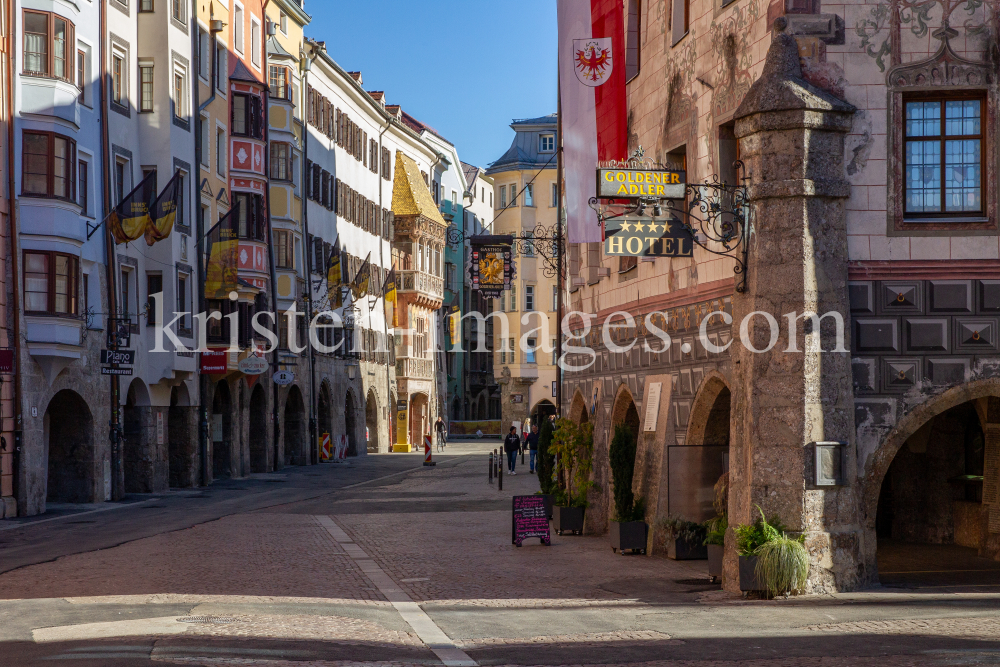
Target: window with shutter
[(309, 245), (318, 266)]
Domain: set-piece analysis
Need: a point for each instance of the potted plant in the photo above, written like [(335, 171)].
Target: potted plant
[(715, 539), (628, 530), (770, 561), (715, 529), (685, 539), (571, 447)]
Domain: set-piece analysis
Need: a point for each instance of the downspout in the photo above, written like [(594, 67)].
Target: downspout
[(381, 262), (200, 236), (14, 448), (308, 252), (440, 355), (114, 433), (276, 426)]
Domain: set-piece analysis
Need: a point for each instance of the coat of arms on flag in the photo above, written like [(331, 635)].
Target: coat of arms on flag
[(592, 60)]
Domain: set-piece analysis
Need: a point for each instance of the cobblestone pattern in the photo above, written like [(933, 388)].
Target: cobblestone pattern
[(260, 554), (579, 640), (301, 627), (971, 628)]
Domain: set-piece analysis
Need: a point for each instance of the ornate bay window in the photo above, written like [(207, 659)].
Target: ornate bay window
[(47, 165), (48, 45)]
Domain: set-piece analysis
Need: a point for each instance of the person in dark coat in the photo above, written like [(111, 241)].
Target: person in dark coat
[(532, 445), (512, 445)]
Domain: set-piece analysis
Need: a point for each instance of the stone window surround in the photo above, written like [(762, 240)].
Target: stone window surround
[(942, 73), (189, 178), (121, 45), (182, 66)]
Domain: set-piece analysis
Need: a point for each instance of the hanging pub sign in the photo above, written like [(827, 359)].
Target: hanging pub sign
[(491, 267), (640, 183), (648, 237)]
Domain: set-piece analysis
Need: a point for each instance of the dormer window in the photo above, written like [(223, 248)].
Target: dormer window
[(546, 143)]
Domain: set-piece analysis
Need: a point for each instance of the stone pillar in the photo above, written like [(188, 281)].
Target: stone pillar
[(792, 142)]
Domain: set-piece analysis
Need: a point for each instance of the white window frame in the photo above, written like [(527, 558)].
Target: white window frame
[(529, 298), (529, 195), (239, 25), (221, 164), (555, 195), (87, 86), (206, 141), (180, 106), (221, 48), (543, 139), (205, 58), (255, 49), (283, 22)]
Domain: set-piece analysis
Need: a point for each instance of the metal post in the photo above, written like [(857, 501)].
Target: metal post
[(500, 479), (559, 260), (491, 468)]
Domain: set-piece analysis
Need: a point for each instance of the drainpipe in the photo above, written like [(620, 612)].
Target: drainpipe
[(200, 236), (276, 427), (13, 447), (381, 261), (313, 452)]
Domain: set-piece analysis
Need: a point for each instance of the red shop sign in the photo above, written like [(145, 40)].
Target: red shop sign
[(214, 361)]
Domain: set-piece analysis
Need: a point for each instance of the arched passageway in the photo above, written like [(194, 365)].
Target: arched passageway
[(371, 420), (931, 524), (182, 439), (578, 409), (136, 462), (542, 411), (351, 423), (222, 432), (295, 428), (419, 424), (73, 468), (258, 430), (695, 468)]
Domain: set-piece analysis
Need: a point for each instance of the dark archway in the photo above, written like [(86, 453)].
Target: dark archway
[(258, 429), (393, 407), (371, 421), (182, 439), (578, 408), (542, 410), (295, 428), (456, 409), (930, 523), (73, 468), (324, 413), (694, 469), (222, 432), (351, 423), (419, 424), (133, 460)]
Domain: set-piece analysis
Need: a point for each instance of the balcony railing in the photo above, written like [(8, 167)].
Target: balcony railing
[(410, 367), (425, 283)]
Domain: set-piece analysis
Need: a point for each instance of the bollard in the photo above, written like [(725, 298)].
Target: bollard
[(491, 468), (500, 479)]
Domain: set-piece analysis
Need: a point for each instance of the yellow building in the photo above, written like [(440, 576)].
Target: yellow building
[(526, 197)]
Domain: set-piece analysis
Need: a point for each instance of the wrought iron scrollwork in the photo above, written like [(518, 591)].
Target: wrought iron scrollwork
[(718, 216), (542, 241)]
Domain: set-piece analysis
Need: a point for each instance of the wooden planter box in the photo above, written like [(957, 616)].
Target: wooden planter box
[(715, 552), (568, 519), (681, 549), (748, 574), (629, 535)]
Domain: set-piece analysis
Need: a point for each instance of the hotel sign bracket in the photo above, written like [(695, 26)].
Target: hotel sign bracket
[(645, 209)]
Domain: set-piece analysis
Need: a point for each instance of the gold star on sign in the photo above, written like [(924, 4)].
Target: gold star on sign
[(639, 226), (626, 226), (655, 228)]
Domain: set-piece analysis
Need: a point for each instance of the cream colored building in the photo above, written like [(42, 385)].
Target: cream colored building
[(524, 184)]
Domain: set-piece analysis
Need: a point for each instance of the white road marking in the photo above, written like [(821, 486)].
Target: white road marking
[(428, 631), (138, 627)]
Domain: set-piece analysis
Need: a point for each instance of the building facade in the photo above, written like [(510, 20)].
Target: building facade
[(8, 254), (526, 203), (885, 115)]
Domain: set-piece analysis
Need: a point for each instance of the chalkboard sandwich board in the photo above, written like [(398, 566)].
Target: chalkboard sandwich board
[(530, 519)]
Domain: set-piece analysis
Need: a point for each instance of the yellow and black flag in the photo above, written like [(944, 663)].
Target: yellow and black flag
[(164, 211), (222, 251), (334, 277), (359, 287), (389, 295), (130, 218)]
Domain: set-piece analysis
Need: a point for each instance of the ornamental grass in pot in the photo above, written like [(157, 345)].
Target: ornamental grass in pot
[(771, 562)]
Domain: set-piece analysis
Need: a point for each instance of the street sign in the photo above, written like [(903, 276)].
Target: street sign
[(118, 357), (6, 361), (214, 361), (284, 378), (641, 183), (253, 365), (110, 370), (119, 333)]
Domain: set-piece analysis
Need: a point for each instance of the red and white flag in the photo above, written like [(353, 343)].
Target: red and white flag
[(593, 108)]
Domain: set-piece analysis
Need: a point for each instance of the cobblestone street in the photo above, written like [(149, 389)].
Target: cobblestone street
[(386, 562)]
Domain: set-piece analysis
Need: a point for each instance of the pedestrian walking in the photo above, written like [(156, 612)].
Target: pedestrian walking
[(532, 445), (511, 445), (441, 432)]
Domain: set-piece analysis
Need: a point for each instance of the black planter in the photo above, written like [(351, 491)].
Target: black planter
[(568, 520), (682, 549), (715, 552), (629, 535), (748, 574), (548, 504)]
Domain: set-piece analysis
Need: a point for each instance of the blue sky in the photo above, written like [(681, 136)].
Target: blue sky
[(465, 68)]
